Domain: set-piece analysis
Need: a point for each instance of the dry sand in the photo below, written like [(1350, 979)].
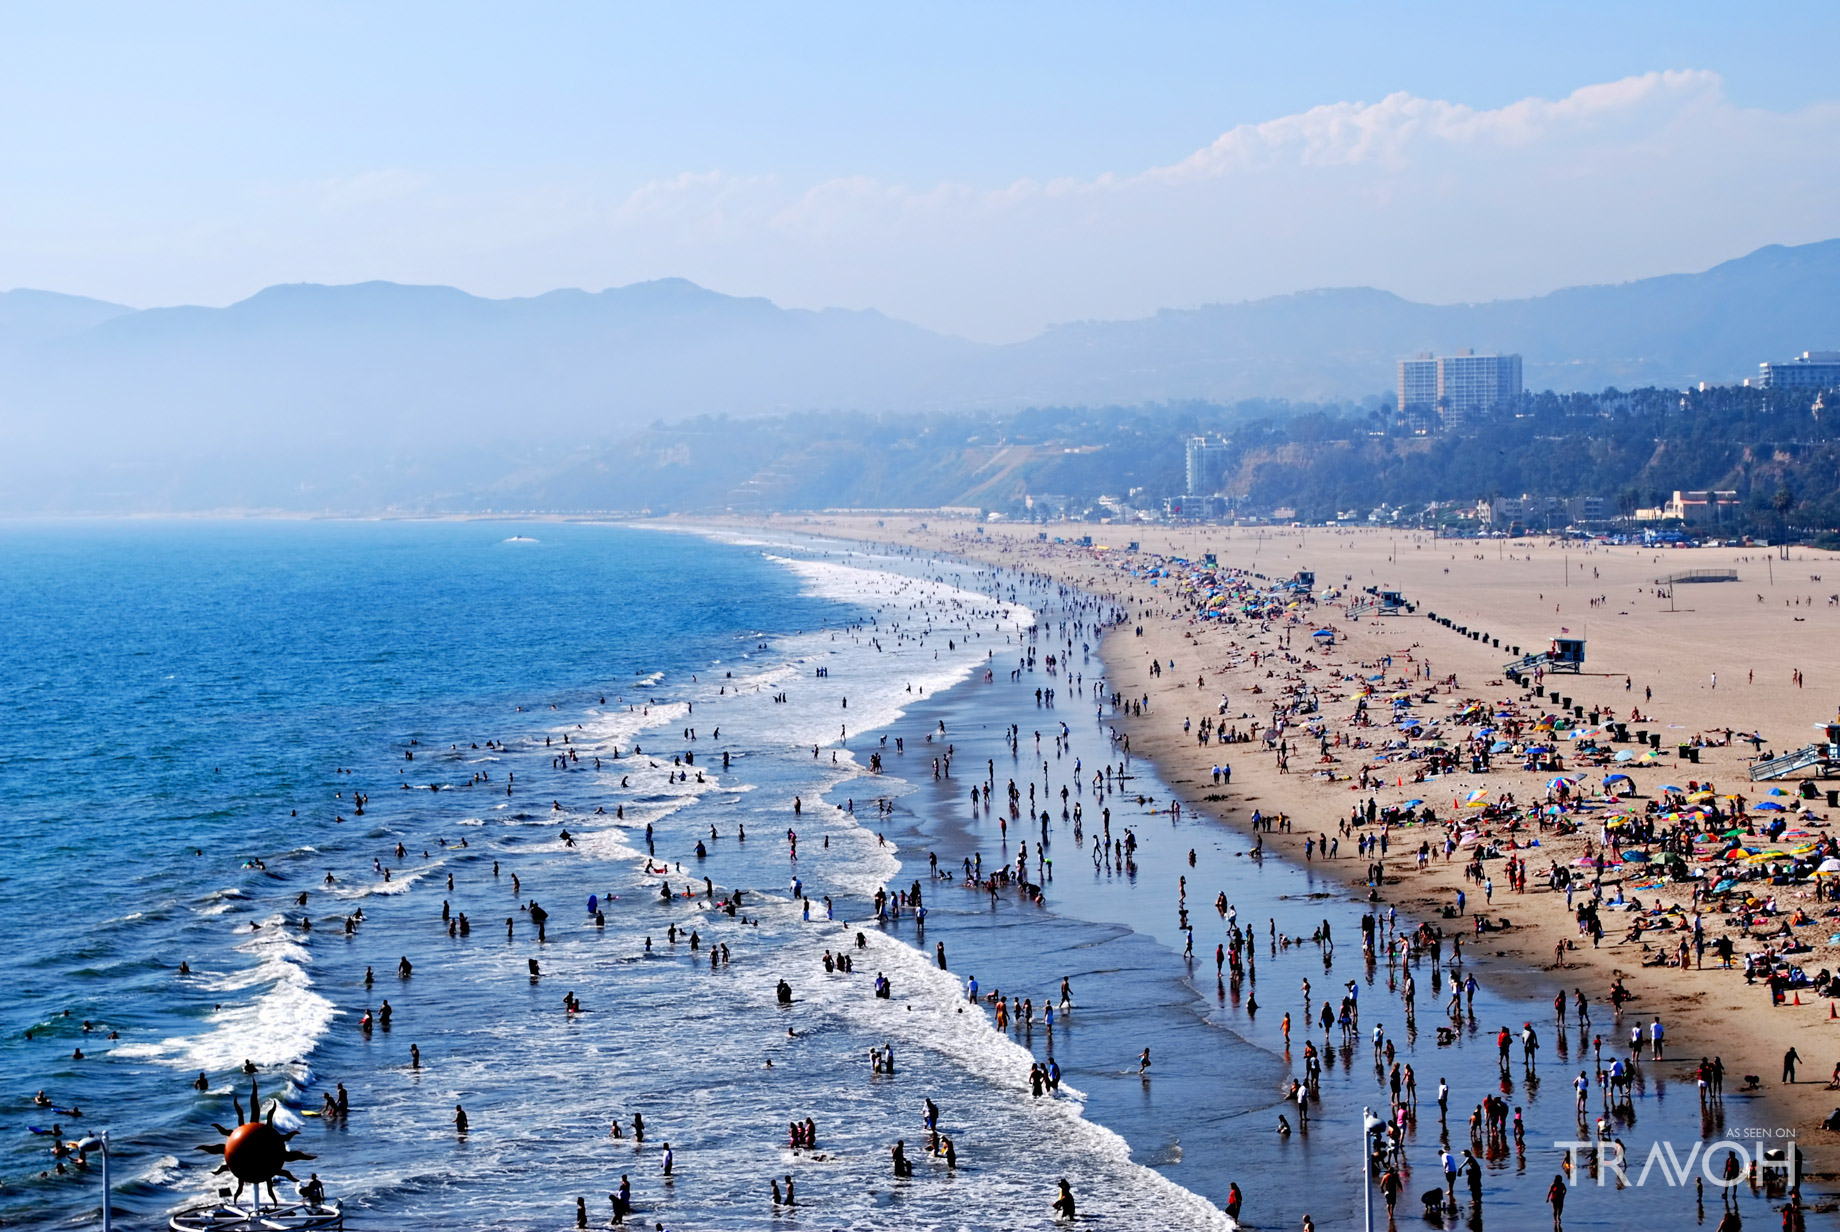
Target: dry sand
[(1754, 634)]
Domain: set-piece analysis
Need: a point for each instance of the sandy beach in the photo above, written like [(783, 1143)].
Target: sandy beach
[(1755, 655)]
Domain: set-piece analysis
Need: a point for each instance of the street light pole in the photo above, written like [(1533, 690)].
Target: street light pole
[(101, 1142)]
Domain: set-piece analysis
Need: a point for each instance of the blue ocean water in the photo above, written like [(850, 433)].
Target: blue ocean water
[(195, 707), (192, 707)]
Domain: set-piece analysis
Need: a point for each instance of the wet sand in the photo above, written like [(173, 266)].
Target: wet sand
[(1754, 634)]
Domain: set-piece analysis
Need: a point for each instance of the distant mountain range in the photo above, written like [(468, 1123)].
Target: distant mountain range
[(99, 402)]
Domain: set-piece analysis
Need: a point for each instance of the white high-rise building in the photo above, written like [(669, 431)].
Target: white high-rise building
[(1206, 456), (1447, 389)]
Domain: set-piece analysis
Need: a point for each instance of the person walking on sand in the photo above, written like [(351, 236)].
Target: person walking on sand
[(1789, 1059)]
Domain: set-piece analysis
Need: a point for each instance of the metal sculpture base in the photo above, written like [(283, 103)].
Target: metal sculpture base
[(287, 1217)]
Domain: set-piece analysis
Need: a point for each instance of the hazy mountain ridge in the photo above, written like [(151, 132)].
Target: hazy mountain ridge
[(420, 381)]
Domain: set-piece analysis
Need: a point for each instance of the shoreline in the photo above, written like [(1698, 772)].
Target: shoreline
[(1520, 959)]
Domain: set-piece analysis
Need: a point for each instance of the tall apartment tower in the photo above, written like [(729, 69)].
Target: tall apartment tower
[(1205, 457), (1446, 390), (1418, 384)]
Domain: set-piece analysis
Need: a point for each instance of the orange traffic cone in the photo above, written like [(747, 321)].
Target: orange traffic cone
[(1830, 1010), (1798, 998)]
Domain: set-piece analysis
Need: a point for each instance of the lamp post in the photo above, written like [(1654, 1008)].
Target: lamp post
[(1369, 1123), (101, 1143)]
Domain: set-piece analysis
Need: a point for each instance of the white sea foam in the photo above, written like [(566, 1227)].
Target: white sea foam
[(278, 1026), (400, 882)]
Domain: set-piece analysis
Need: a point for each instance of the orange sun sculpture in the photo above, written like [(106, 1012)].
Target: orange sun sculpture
[(255, 1152)]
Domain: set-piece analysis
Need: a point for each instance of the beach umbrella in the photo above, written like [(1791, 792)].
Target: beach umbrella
[(1556, 784), (1476, 799), (1616, 778), (1626, 755), (1412, 803), (1500, 746), (1639, 857), (1670, 787), (1540, 750), (1776, 791), (1828, 867), (1770, 806), (1700, 797)]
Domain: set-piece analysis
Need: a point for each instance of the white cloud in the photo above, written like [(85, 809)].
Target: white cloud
[(1431, 198)]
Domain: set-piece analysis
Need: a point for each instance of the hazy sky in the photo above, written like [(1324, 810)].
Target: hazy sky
[(982, 169)]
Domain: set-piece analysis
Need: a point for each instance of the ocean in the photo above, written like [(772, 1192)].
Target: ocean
[(196, 707)]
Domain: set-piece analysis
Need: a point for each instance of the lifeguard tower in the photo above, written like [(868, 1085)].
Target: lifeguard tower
[(1823, 757), (1566, 654)]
